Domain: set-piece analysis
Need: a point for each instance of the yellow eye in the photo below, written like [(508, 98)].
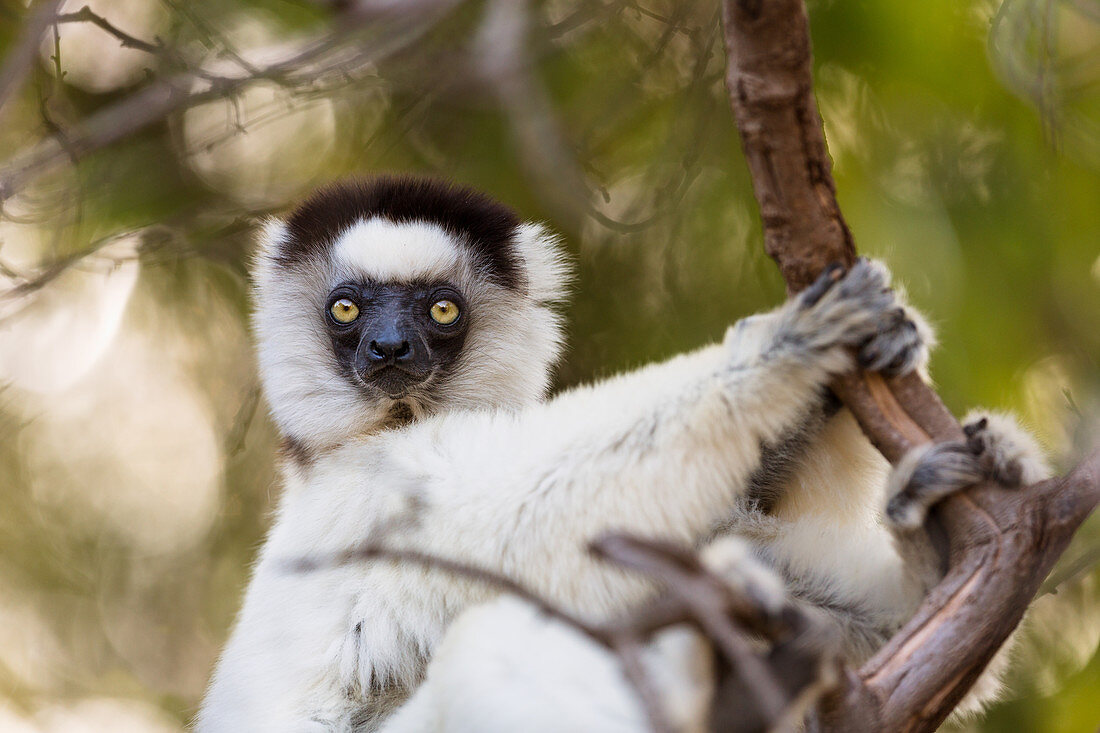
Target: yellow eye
[(344, 311), (444, 312)]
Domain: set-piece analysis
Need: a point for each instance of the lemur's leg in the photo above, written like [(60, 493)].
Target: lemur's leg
[(861, 595), (997, 449)]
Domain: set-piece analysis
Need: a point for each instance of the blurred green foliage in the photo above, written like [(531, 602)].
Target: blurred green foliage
[(135, 456)]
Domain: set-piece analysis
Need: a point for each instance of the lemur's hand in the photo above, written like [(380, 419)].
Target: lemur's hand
[(856, 310), (996, 449), (841, 321)]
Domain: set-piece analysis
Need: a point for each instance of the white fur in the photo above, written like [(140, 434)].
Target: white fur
[(1008, 443), (379, 250), (502, 666), (496, 478)]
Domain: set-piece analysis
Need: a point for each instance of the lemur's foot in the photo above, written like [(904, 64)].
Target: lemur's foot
[(1007, 453), (996, 449), (925, 476)]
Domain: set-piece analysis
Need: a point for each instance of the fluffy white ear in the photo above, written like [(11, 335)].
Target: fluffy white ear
[(265, 260), (272, 235), (549, 271)]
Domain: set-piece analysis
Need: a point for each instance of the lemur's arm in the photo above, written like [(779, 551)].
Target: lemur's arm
[(663, 451)]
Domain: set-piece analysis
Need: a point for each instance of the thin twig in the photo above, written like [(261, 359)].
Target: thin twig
[(162, 98), (21, 59), (372, 550), (628, 649), (712, 605), (626, 646), (87, 15)]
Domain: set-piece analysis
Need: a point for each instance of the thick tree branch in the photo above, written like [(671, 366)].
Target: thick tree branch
[(769, 78), (1002, 544)]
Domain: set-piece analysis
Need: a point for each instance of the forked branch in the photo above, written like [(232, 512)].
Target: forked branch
[(1001, 543)]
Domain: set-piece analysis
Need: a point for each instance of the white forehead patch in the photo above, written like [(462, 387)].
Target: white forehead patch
[(380, 249)]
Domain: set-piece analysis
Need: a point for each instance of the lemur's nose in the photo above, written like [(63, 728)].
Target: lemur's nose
[(390, 348)]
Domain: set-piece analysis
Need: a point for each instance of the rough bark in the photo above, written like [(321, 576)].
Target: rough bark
[(1001, 543)]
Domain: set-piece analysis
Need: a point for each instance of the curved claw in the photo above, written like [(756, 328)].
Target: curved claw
[(829, 277)]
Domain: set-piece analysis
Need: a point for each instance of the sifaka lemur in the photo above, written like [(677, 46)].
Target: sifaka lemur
[(407, 330)]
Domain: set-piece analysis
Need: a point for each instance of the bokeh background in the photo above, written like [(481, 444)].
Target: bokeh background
[(138, 155)]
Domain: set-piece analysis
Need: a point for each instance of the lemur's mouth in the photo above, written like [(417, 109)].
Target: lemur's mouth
[(393, 381)]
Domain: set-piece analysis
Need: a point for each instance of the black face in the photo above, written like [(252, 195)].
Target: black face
[(392, 337)]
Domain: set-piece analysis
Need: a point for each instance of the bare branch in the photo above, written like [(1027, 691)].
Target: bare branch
[(374, 550), (211, 32), (505, 66), (300, 68), (682, 570), (621, 639), (24, 284), (629, 648), (710, 602), (760, 689), (694, 597), (1004, 544)]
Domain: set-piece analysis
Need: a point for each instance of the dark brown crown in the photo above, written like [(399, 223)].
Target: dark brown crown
[(485, 226)]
